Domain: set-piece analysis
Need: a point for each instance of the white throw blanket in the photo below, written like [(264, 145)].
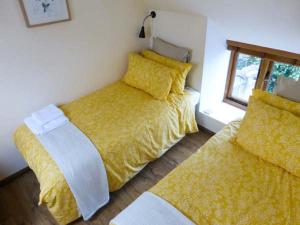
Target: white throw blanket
[(149, 209), (81, 165)]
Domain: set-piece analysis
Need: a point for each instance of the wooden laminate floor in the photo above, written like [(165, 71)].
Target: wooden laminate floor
[(19, 198)]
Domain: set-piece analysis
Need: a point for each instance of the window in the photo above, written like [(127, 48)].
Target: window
[(245, 76), (253, 66)]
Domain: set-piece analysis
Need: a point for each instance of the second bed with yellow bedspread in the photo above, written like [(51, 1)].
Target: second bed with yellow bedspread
[(128, 127), (224, 184)]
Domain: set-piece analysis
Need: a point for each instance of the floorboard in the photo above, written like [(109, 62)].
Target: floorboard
[(19, 198)]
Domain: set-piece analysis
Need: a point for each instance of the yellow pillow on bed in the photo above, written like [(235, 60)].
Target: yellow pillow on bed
[(149, 76), (182, 68), (272, 134), (277, 101)]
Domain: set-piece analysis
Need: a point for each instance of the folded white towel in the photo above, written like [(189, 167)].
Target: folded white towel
[(40, 130), (46, 114), (60, 121), (33, 126)]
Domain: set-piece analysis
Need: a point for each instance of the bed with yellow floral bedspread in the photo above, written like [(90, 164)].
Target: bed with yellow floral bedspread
[(224, 184), (128, 127)]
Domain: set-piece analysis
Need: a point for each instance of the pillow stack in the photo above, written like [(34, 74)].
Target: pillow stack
[(181, 68), (155, 74), (271, 130)]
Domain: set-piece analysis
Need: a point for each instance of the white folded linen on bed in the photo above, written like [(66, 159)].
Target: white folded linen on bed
[(33, 126), (42, 129), (46, 119), (46, 114), (60, 121), (81, 164), (149, 209)]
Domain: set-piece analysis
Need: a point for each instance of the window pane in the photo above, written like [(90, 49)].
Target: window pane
[(282, 69), (247, 69)]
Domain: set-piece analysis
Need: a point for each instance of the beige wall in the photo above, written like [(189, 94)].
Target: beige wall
[(60, 62)]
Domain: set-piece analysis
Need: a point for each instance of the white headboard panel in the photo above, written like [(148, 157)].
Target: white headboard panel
[(186, 31)]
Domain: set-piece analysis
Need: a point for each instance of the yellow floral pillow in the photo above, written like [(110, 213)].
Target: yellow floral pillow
[(277, 101), (272, 134), (182, 68), (149, 76)]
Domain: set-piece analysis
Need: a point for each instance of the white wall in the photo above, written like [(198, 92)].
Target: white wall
[(60, 62), (187, 31), (270, 23), (215, 67)]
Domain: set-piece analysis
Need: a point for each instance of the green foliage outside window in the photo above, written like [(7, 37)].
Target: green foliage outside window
[(282, 69), (247, 60)]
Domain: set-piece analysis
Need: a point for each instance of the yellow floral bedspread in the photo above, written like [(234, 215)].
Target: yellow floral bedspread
[(225, 185), (128, 127)]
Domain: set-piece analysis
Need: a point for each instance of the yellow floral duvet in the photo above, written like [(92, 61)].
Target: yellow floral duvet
[(128, 127), (224, 184)]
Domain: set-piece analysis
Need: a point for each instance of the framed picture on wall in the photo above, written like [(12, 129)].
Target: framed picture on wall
[(42, 12)]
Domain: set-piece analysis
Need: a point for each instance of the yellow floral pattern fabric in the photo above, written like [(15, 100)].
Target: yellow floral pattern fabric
[(272, 134), (149, 76), (129, 128), (182, 68), (224, 184), (277, 101)]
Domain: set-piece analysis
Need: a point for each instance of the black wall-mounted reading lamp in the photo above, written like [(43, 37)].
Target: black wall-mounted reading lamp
[(142, 32)]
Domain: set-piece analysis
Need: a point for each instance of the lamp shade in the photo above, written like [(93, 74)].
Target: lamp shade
[(142, 32)]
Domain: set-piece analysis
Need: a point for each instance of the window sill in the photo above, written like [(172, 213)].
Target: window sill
[(217, 117), (235, 104)]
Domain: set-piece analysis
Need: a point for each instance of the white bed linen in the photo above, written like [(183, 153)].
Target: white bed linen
[(149, 209), (81, 164), (47, 114), (194, 95), (39, 130)]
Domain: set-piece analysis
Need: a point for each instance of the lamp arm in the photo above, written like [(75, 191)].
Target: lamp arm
[(146, 19)]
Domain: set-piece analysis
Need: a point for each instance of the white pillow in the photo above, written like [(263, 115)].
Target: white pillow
[(288, 88), (170, 50)]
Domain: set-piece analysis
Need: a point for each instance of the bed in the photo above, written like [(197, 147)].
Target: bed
[(129, 128), (222, 183), (238, 187)]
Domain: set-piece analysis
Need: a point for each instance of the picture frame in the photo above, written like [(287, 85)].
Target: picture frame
[(44, 12)]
